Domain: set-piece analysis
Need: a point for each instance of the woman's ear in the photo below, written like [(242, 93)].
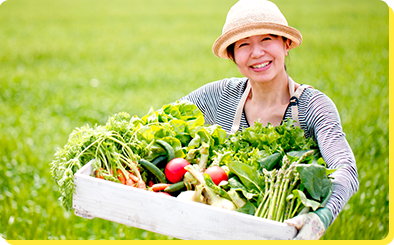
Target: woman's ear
[(287, 46)]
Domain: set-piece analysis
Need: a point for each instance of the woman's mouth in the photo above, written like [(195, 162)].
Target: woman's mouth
[(262, 65)]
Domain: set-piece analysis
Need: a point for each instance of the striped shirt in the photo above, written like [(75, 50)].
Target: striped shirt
[(318, 117)]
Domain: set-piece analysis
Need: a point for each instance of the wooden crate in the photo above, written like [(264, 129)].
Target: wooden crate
[(167, 215)]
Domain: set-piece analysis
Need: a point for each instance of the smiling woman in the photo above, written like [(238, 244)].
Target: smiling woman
[(259, 39)]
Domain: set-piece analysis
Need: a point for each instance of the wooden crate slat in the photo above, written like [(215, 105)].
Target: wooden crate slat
[(167, 215)]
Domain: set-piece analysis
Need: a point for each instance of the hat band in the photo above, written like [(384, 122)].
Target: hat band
[(258, 28)]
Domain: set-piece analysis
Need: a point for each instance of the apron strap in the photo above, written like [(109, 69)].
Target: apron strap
[(294, 96), (238, 112)]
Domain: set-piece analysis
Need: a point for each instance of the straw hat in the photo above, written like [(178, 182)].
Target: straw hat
[(254, 17)]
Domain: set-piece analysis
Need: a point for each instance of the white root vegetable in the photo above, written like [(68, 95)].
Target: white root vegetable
[(195, 196)]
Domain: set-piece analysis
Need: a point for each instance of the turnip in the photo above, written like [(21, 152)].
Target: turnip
[(195, 196)]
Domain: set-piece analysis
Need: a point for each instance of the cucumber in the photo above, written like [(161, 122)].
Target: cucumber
[(154, 170), (168, 148), (175, 187), (160, 161)]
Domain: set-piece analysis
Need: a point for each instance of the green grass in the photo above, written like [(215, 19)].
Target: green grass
[(64, 64)]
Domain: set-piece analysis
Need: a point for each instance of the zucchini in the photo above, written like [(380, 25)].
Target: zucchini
[(154, 170), (168, 148), (175, 187)]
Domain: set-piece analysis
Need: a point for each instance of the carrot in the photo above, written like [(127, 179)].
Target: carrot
[(98, 174), (130, 182), (159, 187), (121, 176), (133, 177), (141, 184)]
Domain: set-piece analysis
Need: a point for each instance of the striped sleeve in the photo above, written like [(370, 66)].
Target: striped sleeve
[(207, 98), (319, 118)]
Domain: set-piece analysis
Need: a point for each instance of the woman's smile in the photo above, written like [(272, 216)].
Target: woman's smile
[(261, 66)]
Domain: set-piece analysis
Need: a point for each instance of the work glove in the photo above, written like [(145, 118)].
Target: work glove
[(311, 226)]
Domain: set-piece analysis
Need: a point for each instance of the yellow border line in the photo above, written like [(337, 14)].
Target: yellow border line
[(388, 240), (390, 237)]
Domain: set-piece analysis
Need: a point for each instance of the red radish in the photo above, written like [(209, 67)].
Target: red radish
[(217, 174), (175, 169)]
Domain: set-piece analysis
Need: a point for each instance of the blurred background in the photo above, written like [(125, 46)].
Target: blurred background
[(64, 64)]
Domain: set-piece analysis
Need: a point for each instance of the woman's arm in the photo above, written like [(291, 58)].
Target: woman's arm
[(207, 98), (323, 122)]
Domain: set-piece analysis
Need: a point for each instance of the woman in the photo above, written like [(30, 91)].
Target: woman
[(257, 38)]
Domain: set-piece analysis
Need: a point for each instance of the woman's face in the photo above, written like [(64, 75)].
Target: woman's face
[(261, 58)]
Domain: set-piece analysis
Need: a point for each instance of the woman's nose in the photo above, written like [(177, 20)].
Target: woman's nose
[(257, 51)]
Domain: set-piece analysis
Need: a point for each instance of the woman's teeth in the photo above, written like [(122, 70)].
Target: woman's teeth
[(261, 65)]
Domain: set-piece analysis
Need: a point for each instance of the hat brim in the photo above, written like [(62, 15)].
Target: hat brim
[(219, 48)]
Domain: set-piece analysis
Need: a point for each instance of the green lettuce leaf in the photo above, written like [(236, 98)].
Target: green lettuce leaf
[(315, 180), (249, 177), (307, 202)]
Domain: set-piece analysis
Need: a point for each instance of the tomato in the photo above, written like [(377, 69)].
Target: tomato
[(175, 169), (217, 174)]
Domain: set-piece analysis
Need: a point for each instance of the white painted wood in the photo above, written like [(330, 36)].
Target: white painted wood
[(167, 215)]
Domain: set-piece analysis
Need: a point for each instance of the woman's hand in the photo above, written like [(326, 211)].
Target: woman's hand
[(311, 226)]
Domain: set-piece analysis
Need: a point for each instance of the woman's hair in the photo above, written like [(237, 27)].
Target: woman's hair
[(230, 52), (230, 48)]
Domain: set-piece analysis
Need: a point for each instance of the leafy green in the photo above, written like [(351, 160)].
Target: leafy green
[(315, 180), (305, 201), (270, 161), (249, 177), (123, 140), (248, 208), (236, 185), (263, 147), (277, 170)]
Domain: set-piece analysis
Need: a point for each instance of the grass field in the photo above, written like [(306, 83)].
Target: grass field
[(64, 64)]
